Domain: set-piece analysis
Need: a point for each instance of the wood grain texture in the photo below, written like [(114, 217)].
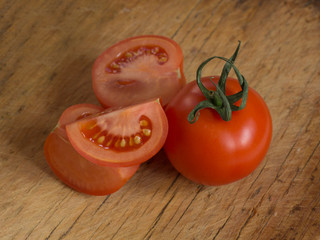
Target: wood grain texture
[(47, 49)]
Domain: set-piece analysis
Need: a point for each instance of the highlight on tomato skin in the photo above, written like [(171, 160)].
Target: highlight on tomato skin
[(74, 170), (123, 137), (137, 69)]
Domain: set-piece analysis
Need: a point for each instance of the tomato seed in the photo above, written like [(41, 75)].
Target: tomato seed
[(146, 132), (137, 139), (155, 50), (128, 54), (123, 143), (101, 139), (144, 123), (114, 65)]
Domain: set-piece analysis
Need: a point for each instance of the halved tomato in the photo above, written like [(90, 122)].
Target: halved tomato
[(138, 69), (76, 171), (122, 137)]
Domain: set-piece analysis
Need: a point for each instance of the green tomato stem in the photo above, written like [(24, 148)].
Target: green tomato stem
[(218, 100)]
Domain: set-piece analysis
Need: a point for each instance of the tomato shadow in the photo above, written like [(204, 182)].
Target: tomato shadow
[(67, 84), (159, 166), (155, 173), (157, 178)]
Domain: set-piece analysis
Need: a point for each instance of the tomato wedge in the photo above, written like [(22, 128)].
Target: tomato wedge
[(74, 170), (121, 137), (138, 69)]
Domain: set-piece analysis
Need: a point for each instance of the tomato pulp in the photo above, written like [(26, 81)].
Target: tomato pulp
[(76, 171), (213, 151), (121, 137), (137, 69)]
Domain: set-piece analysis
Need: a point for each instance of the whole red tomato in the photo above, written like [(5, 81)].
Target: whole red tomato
[(216, 149)]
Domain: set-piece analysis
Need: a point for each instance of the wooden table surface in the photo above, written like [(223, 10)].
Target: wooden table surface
[(47, 49)]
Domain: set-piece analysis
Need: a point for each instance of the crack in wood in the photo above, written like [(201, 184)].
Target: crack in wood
[(103, 202), (184, 21), (298, 169), (44, 217), (177, 234), (268, 219), (173, 182), (150, 201), (209, 36), (157, 219), (282, 163), (311, 156), (316, 203), (171, 185), (52, 231), (120, 227), (254, 181), (199, 190), (252, 213), (74, 223), (219, 230)]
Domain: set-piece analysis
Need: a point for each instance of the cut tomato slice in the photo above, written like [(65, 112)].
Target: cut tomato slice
[(76, 171), (122, 137), (142, 67)]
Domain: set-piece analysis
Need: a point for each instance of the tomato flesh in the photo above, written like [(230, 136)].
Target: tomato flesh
[(74, 170), (73, 113), (133, 54), (138, 69), (76, 112), (212, 151), (123, 137), (107, 140)]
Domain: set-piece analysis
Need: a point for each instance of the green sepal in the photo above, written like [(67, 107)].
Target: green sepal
[(218, 100), (226, 69)]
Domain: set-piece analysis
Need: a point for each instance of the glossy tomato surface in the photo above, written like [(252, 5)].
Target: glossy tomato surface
[(121, 137), (138, 69), (74, 170), (212, 151)]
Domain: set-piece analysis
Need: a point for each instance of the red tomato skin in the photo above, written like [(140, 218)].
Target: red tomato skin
[(212, 151), (150, 82)]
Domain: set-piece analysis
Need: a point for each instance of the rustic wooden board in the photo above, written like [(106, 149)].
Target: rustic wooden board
[(47, 49)]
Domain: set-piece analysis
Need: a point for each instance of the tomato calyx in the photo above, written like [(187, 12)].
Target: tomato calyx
[(218, 100)]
